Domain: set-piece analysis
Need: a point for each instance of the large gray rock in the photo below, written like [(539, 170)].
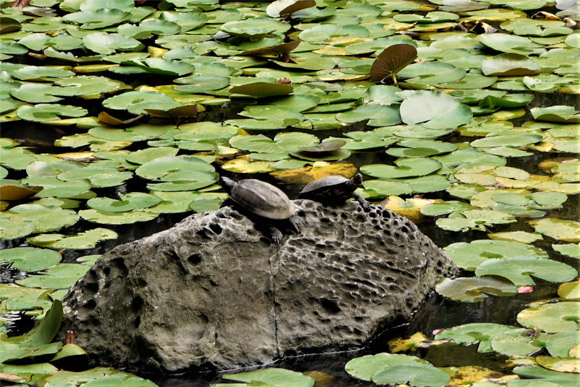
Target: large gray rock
[(213, 291)]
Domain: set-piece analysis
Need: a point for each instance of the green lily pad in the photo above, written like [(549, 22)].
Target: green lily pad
[(515, 236), (30, 258), (366, 366), (201, 83), (415, 375), (179, 168), (136, 102), (545, 377), (24, 219), (570, 250), (384, 188), (96, 377), (105, 43), (560, 344), (510, 44), (517, 342), (102, 217), (519, 269), (404, 168), (273, 377), (83, 240), (560, 114), (510, 65), (475, 332), (560, 229), (97, 19), (378, 115), (474, 289), (510, 141), (552, 318), (136, 133), (469, 256), (49, 112), (419, 75), (440, 111), (40, 73), (254, 28), (85, 85)]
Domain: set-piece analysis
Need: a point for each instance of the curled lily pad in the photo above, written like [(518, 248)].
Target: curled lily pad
[(510, 65), (392, 60), (560, 114), (474, 289)]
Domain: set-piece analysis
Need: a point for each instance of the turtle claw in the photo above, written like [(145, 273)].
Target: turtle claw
[(365, 205), (276, 235)]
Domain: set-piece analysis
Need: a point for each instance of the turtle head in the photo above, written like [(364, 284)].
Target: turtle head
[(227, 183), (357, 180)]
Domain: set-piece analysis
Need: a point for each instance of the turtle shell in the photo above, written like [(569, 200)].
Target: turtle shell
[(262, 199), (329, 188)]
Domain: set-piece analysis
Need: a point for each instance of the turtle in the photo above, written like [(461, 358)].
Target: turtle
[(264, 203), (334, 190)]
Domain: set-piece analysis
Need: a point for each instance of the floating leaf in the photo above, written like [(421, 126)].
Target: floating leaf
[(404, 168), (570, 250), (49, 112), (510, 65), (474, 289), (560, 114), (475, 332), (392, 60), (470, 255), (83, 240), (366, 366), (30, 258), (519, 269), (553, 318), (517, 342), (273, 377), (262, 89), (415, 375), (439, 110), (561, 229)]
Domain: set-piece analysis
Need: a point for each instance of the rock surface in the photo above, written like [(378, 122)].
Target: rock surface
[(212, 290)]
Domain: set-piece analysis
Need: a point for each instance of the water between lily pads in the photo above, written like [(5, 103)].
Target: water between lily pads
[(437, 312)]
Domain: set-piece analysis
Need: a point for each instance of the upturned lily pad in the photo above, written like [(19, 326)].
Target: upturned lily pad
[(261, 90), (470, 255), (510, 65), (560, 114), (474, 289), (552, 318), (392, 60), (519, 269), (30, 258), (439, 110)]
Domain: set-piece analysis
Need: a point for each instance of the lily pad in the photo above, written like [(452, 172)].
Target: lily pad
[(273, 377), (470, 255), (439, 110), (30, 258), (510, 65), (49, 112), (83, 240), (415, 375), (560, 114), (404, 168), (474, 289), (561, 229), (366, 367), (519, 269), (552, 318), (475, 332)]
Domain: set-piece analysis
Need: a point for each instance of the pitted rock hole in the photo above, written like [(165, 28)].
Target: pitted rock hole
[(330, 306), (195, 258), (216, 228)]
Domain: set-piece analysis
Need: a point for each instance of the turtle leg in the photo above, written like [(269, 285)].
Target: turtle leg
[(275, 235), (366, 205), (295, 222)]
